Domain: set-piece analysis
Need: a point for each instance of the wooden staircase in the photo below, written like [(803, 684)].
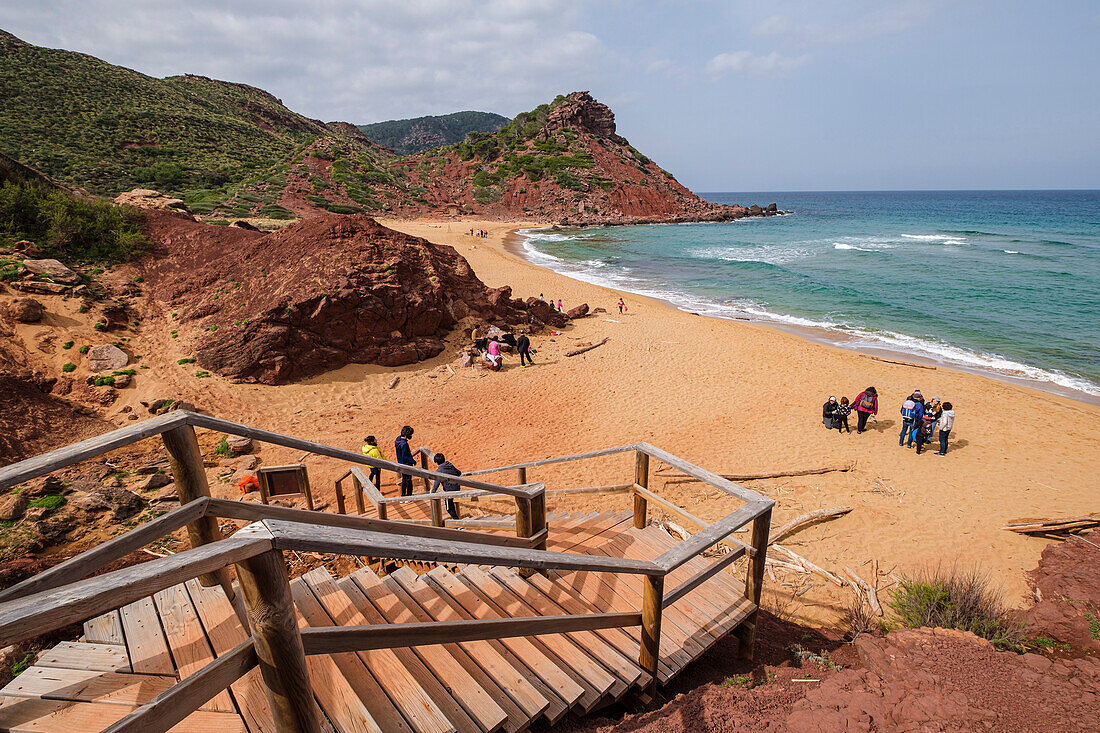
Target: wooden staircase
[(128, 657)]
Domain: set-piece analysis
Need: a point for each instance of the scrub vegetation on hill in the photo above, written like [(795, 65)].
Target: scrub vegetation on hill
[(418, 134)]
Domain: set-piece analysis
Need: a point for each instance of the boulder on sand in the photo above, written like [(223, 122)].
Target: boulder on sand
[(238, 443), (26, 310), (579, 312), (107, 356), (52, 269)]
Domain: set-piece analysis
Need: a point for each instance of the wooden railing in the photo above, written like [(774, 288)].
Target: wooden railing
[(66, 594)]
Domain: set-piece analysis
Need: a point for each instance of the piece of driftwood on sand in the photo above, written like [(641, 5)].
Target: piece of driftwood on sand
[(818, 515), (809, 565), (863, 588), (577, 352), (900, 363), (677, 478), (1038, 526)]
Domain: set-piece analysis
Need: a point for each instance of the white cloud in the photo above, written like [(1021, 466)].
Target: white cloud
[(863, 23), (358, 61), (745, 62)]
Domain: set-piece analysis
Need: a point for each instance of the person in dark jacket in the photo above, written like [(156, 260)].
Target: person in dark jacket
[(866, 404), (828, 413), (405, 457), (523, 346), (912, 410), (442, 465), (840, 414)]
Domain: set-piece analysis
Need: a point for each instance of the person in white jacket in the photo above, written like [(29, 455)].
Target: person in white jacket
[(947, 421)]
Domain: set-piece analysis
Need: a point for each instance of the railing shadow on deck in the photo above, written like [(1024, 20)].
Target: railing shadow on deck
[(66, 594)]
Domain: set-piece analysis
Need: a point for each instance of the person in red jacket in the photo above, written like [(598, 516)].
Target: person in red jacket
[(866, 405)]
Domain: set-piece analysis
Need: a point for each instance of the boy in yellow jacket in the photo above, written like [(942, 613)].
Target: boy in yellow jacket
[(371, 449)]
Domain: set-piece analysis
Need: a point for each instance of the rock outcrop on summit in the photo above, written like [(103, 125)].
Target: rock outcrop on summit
[(316, 295)]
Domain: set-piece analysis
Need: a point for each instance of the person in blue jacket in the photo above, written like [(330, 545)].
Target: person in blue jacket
[(405, 457), (912, 410)]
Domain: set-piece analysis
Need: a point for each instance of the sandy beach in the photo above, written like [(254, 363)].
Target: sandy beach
[(733, 397)]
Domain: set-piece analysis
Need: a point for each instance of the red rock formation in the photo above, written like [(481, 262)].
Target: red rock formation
[(316, 295)]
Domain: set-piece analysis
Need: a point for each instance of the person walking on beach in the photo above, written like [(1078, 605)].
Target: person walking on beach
[(622, 305), (559, 305), (841, 414), (523, 346), (912, 410), (866, 405), (371, 449), (405, 457), (947, 421), (828, 414), (442, 465)]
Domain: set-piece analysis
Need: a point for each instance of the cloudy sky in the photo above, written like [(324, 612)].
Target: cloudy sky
[(729, 96)]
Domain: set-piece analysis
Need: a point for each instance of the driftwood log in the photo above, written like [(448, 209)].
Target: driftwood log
[(863, 588), (1038, 526), (901, 363), (818, 515), (682, 479), (809, 565), (577, 352)]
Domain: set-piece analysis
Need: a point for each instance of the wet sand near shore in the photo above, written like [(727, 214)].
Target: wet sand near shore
[(732, 396)]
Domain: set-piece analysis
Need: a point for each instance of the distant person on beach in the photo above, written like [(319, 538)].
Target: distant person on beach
[(828, 413), (523, 346), (926, 428), (622, 305), (947, 421), (493, 355), (542, 297), (912, 410), (841, 414), (866, 405), (404, 457), (371, 449), (442, 465), (559, 305)]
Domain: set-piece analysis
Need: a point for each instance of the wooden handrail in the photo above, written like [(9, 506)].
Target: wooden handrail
[(53, 609), (702, 576), (707, 477), (558, 459), (188, 695), (337, 639), (712, 535)]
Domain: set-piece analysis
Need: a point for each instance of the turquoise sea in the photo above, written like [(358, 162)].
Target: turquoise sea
[(1001, 282)]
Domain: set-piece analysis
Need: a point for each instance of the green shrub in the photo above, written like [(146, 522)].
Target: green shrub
[(186, 360), (128, 372), (68, 367), (222, 448), (202, 374), (49, 501), (956, 599), (84, 349), (100, 326), (67, 345), (105, 381)]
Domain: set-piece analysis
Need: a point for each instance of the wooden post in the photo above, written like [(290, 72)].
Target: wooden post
[(359, 495), (653, 591), (272, 620), (641, 477), (754, 581), (521, 476), (436, 504), (185, 460), (340, 497)]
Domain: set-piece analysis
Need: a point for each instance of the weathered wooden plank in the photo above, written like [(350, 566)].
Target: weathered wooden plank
[(86, 685), (178, 703), (53, 609), (349, 694), (187, 640), (450, 662), (82, 655), (55, 716), (86, 563), (145, 638), (105, 629), (299, 536), (40, 465), (224, 630)]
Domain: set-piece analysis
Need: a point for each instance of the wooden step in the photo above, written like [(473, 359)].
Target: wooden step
[(27, 715)]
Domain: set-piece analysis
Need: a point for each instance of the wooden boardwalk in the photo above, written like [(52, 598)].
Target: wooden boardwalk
[(129, 656)]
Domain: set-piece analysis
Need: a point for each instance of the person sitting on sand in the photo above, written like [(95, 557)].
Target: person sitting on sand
[(866, 405), (493, 356), (911, 412), (475, 334), (947, 421), (371, 449), (442, 465), (841, 414), (828, 413), (523, 346), (404, 457)]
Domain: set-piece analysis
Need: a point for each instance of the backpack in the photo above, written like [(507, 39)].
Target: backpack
[(868, 402), (908, 409), (927, 423)]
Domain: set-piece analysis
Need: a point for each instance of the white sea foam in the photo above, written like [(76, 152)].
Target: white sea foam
[(855, 337), (842, 245), (1011, 251), (945, 239)]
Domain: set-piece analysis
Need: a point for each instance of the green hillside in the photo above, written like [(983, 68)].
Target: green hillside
[(91, 124), (406, 137)]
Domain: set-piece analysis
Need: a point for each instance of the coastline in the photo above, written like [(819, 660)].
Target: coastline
[(514, 242)]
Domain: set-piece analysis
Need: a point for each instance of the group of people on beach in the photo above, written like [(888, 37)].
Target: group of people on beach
[(479, 233), (492, 351), (920, 418), (551, 302), (404, 456)]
